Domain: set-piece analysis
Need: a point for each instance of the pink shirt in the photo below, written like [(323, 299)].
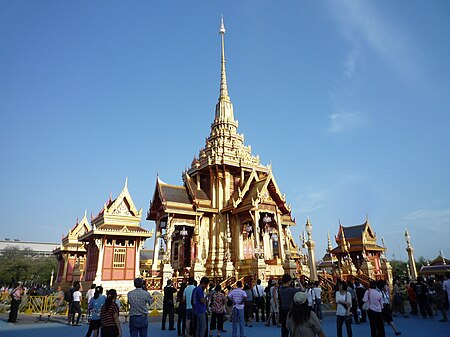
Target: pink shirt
[(375, 299)]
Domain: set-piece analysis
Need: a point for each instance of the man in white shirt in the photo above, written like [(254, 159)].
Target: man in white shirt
[(76, 307), (258, 295), (318, 299), (90, 293)]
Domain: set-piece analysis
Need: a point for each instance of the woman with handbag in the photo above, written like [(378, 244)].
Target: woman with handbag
[(373, 301), (387, 311)]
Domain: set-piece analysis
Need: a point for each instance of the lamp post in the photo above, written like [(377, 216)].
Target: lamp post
[(51, 278), (312, 260), (410, 251)]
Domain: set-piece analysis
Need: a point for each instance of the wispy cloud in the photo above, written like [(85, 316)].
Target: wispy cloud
[(310, 202), (350, 61), (345, 121), (361, 22), (429, 214)]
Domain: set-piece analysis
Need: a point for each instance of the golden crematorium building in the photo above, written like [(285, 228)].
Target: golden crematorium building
[(229, 218)]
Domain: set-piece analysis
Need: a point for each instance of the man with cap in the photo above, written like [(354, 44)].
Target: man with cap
[(138, 299), (168, 306)]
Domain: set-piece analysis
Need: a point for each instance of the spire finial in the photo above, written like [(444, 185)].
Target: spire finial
[(222, 26), (224, 107), (330, 247), (223, 78), (126, 182)]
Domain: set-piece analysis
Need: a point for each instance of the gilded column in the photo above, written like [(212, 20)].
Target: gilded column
[(257, 239), (64, 275), (281, 239), (410, 251), (312, 259)]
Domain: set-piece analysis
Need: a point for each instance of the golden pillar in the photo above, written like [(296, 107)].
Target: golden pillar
[(410, 251), (311, 257)]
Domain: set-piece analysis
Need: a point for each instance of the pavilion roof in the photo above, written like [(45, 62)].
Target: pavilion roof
[(437, 269), (358, 248)]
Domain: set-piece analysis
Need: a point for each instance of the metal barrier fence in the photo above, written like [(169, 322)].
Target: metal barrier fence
[(55, 305)]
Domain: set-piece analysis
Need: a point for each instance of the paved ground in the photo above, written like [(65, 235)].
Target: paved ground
[(29, 326)]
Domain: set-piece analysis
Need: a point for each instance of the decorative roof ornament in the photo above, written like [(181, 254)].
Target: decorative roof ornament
[(407, 238), (330, 247)]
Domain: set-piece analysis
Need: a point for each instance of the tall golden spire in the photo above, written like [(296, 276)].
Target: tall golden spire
[(224, 108), (223, 75)]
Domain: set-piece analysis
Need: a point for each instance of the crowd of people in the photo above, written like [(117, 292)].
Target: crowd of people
[(296, 308)]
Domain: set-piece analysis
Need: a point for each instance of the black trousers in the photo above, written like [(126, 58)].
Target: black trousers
[(259, 304), (425, 308), (14, 311), (168, 309), (76, 309), (181, 321), (283, 315), (340, 320), (376, 323), (216, 321), (109, 331), (354, 310)]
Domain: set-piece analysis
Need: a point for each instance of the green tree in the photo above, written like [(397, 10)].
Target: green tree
[(399, 269), (420, 262), (26, 266)]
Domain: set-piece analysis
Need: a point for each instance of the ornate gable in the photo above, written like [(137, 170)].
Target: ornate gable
[(262, 191), (70, 241), (123, 205)]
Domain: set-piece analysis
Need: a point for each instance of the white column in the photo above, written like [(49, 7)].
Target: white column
[(139, 243), (156, 249), (101, 250)]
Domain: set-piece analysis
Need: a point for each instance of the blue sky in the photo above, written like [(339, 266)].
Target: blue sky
[(349, 101)]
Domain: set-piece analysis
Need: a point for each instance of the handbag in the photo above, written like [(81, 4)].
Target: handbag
[(365, 306)]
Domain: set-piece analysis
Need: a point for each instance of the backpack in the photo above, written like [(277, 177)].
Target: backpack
[(418, 289), (68, 295)]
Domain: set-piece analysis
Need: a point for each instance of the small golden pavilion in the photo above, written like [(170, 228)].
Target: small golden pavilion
[(71, 254), (229, 217), (108, 250), (357, 255)]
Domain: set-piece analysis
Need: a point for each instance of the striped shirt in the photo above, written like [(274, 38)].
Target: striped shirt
[(138, 300), (107, 314), (238, 296)]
